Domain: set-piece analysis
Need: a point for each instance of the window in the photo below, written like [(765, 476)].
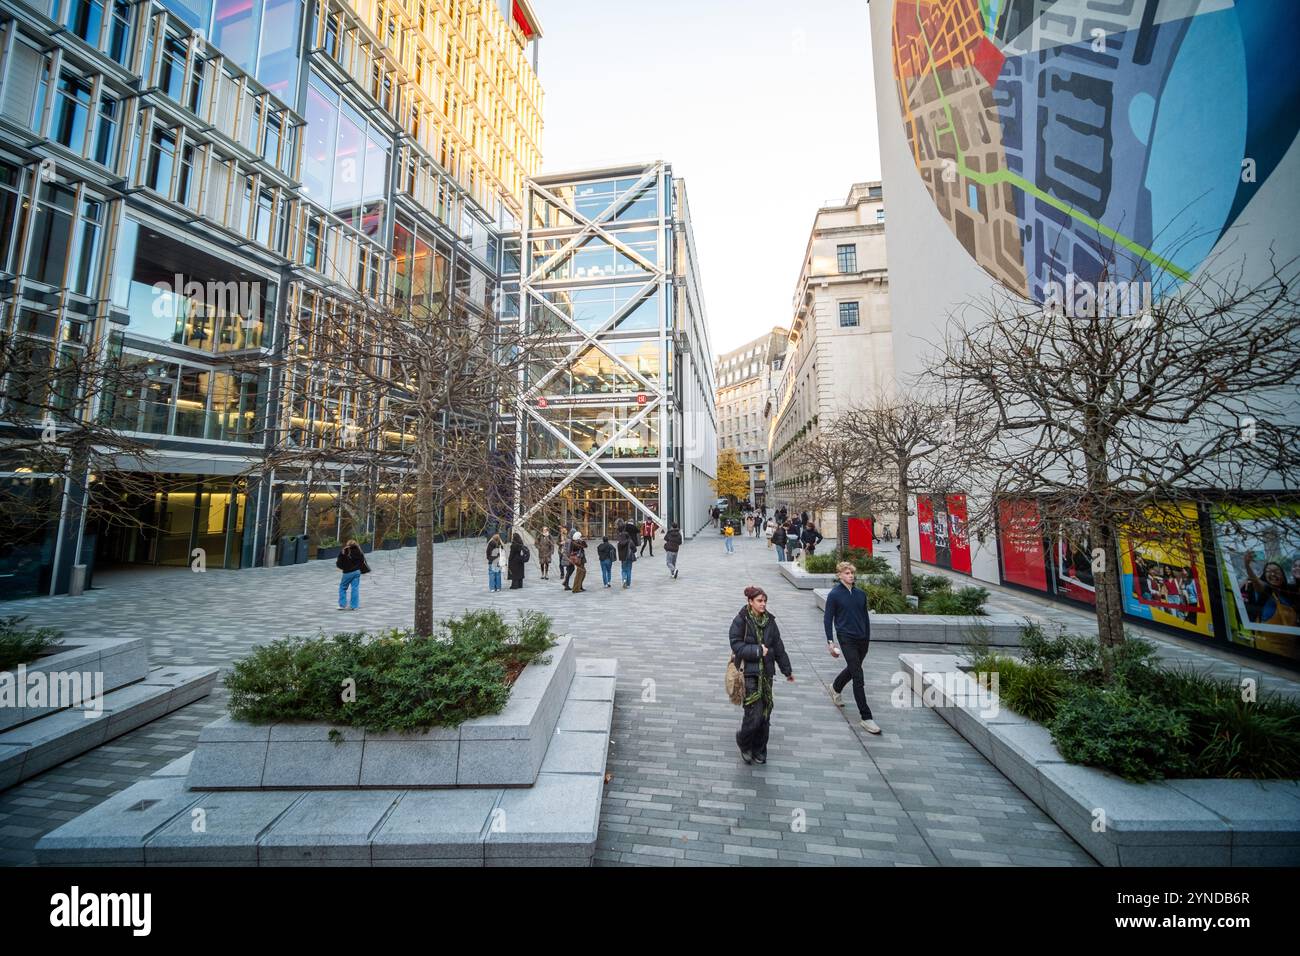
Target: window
[(71, 112), (848, 315), (106, 135), (847, 256), (880, 215)]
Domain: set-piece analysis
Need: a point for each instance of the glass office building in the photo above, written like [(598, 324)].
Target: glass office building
[(618, 419), (188, 185)]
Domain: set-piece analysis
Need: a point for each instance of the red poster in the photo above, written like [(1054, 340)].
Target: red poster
[(925, 527), (1024, 561), (958, 538), (860, 533)]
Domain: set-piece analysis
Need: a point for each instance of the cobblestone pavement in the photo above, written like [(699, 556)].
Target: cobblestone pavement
[(680, 795)]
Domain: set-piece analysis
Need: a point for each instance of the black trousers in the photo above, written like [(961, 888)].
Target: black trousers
[(648, 543), (855, 652), (754, 725), (568, 572)]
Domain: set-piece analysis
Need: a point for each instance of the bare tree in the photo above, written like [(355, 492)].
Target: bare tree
[(836, 461), (71, 410), (1124, 423), (912, 444), (426, 391)]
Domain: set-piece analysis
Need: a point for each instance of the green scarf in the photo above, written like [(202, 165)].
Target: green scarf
[(764, 690)]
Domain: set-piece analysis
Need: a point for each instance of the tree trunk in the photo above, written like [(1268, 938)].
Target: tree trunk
[(904, 539), (1110, 597), (424, 519), (840, 537)]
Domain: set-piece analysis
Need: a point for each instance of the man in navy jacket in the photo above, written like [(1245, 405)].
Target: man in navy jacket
[(846, 612)]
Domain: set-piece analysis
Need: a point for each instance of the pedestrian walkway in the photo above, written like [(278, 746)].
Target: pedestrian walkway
[(679, 793)]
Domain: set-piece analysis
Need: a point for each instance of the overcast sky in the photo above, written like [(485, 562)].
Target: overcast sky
[(765, 108)]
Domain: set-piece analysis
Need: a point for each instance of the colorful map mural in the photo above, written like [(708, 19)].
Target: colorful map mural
[(1099, 139)]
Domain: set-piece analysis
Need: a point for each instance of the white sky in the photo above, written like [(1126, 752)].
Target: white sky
[(765, 107)]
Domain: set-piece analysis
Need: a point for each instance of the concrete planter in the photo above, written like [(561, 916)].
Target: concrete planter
[(1164, 823), (505, 749), (121, 661), (997, 630), (328, 553), (796, 575)]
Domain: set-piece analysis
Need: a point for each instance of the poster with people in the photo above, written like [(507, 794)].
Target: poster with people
[(1162, 567), (1259, 561), (925, 527), (1074, 567), (941, 525)]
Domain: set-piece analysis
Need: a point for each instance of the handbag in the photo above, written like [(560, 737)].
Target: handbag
[(735, 682)]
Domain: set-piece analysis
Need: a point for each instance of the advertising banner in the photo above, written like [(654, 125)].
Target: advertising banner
[(925, 527), (1020, 531), (958, 535), (1259, 562), (860, 531), (1163, 572), (1073, 568)]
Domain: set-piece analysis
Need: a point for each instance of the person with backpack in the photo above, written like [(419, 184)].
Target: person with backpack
[(672, 544), (352, 562), (779, 540), (846, 612), (648, 531), (757, 649), (605, 552), (578, 558), (810, 537), (545, 548), (493, 553), (519, 556), (626, 555)]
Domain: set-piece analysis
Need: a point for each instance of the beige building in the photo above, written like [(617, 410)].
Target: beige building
[(745, 379), (840, 350)]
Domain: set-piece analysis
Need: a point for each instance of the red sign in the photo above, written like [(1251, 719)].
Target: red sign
[(925, 527), (640, 398), (860, 533), (958, 536), (541, 403), (1021, 531)]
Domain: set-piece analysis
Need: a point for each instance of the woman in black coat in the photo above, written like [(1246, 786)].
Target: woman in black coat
[(515, 565), (757, 647)]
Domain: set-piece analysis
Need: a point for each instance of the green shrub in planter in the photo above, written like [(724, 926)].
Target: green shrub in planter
[(1033, 690), (22, 645), (820, 564), (890, 580), (884, 600), (871, 565), (1069, 652), (1135, 737), (923, 584), (403, 682), (967, 601)]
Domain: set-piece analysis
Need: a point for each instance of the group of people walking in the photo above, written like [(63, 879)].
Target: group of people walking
[(569, 549), (790, 536)]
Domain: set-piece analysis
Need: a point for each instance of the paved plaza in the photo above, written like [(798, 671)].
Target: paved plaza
[(679, 794)]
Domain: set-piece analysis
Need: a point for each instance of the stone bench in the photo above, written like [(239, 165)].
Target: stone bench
[(1162, 823), (160, 821), (505, 749), (997, 630), (121, 661)]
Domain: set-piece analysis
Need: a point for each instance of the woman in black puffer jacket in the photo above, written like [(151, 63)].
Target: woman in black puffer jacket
[(757, 647)]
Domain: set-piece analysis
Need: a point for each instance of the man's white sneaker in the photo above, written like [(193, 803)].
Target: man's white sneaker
[(870, 726), (836, 699)]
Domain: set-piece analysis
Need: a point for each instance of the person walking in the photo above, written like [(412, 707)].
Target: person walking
[(810, 537), (792, 540), (769, 526), (672, 544), (518, 558), (757, 648), (352, 562), (778, 541), (846, 613), (749, 524), (494, 548), (626, 555), (578, 556), (545, 548), (605, 552), (727, 534), (565, 547), (648, 531)]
